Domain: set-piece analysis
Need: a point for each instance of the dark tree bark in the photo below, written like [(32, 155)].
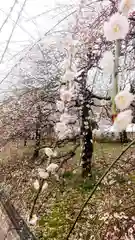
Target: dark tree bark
[(38, 133), (86, 123), (86, 129), (25, 141), (123, 137)]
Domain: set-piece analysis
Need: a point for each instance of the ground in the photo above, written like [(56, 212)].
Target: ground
[(110, 214)]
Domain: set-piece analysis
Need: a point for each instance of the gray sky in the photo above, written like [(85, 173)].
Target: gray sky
[(36, 19)]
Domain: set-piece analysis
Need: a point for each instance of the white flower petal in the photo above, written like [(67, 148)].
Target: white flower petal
[(107, 62), (62, 130), (65, 118), (116, 28), (60, 105), (123, 120), (52, 168), (68, 76), (123, 99), (48, 152), (33, 220), (66, 95), (45, 186), (55, 153), (36, 184), (42, 173)]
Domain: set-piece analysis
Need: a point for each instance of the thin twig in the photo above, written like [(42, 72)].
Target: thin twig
[(68, 156), (8, 42), (96, 186), (6, 19)]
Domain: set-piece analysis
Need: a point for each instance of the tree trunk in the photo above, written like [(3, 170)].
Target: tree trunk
[(86, 129), (123, 137), (87, 149), (25, 141), (38, 133)]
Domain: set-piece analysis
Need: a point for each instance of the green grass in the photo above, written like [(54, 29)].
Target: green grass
[(56, 224), (59, 211)]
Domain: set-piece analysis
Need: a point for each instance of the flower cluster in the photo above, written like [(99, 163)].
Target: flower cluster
[(123, 100), (115, 29), (62, 127), (44, 174)]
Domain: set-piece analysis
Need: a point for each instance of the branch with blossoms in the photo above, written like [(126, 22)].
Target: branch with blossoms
[(114, 30), (51, 169)]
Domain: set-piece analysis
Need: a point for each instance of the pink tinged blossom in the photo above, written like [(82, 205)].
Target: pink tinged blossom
[(123, 99), (60, 105), (123, 120), (66, 95), (107, 62), (125, 6), (116, 28)]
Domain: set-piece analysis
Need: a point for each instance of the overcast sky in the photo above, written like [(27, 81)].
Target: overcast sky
[(36, 19)]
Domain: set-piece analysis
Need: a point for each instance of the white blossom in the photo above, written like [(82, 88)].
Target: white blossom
[(107, 62), (62, 130), (42, 173), (123, 99), (68, 76), (52, 168), (48, 152), (60, 105), (65, 64), (66, 95), (123, 120), (116, 28), (55, 153), (45, 186), (33, 220), (125, 6), (36, 184), (60, 127), (65, 118)]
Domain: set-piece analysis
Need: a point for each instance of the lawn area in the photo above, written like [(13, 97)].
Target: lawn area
[(111, 211)]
